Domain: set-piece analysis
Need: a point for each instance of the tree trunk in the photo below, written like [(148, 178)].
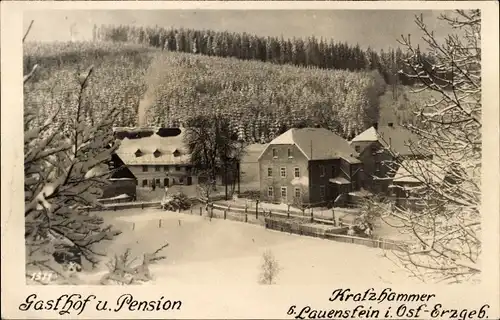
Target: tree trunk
[(225, 178), (239, 176)]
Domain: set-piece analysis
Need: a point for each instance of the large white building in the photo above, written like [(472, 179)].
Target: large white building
[(155, 156)]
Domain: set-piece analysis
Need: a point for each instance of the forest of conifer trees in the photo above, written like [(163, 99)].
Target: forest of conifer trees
[(310, 52), (261, 100)]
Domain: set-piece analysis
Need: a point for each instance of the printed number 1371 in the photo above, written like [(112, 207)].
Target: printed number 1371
[(43, 276)]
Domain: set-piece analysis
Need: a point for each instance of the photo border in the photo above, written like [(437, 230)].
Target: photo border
[(232, 301)]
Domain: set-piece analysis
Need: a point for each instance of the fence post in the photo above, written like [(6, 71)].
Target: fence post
[(133, 226), (190, 210), (201, 209), (142, 205), (159, 223), (270, 214), (257, 210), (246, 216), (211, 212), (225, 213), (312, 215)]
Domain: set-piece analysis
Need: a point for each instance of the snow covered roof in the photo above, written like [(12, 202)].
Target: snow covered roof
[(363, 193), (369, 134), (169, 150), (317, 144), (339, 180), (419, 171), (397, 138)]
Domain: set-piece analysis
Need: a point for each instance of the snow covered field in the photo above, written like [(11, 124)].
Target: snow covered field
[(226, 252)]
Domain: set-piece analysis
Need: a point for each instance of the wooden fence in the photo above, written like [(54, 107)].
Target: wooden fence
[(279, 220), (296, 224), (331, 234), (121, 206)]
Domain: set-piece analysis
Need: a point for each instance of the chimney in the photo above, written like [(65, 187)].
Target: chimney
[(391, 124), (375, 125)]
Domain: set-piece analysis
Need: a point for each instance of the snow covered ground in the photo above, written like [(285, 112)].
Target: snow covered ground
[(226, 252)]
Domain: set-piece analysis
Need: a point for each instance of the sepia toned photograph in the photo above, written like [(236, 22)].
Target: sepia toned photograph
[(201, 147), (211, 147)]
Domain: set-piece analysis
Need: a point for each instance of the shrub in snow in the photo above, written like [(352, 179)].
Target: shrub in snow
[(176, 202), (269, 268), (123, 271)]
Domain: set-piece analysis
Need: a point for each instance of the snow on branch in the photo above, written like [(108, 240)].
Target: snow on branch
[(445, 220)]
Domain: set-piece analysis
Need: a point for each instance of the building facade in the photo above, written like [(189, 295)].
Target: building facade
[(381, 149), (156, 160), (308, 167)]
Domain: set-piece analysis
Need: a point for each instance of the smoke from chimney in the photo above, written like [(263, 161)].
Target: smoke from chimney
[(153, 79), (144, 105)]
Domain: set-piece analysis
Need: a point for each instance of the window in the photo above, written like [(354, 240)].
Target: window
[(157, 182), (157, 168), (157, 153), (144, 183), (296, 172), (357, 148), (165, 168), (270, 192), (269, 172), (144, 168), (297, 193), (334, 171), (283, 172), (177, 168), (283, 192), (181, 180), (275, 153), (354, 184), (321, 192), (322, 171), (290, 153)]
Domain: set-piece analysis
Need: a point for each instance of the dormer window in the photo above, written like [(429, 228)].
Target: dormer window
[(275, 153), (157, 153), (138, 153), (176, 153)]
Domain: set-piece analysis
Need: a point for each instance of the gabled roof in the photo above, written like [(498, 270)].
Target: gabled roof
[(316, 144), (397, 138), (368, 135), (148, 145)]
